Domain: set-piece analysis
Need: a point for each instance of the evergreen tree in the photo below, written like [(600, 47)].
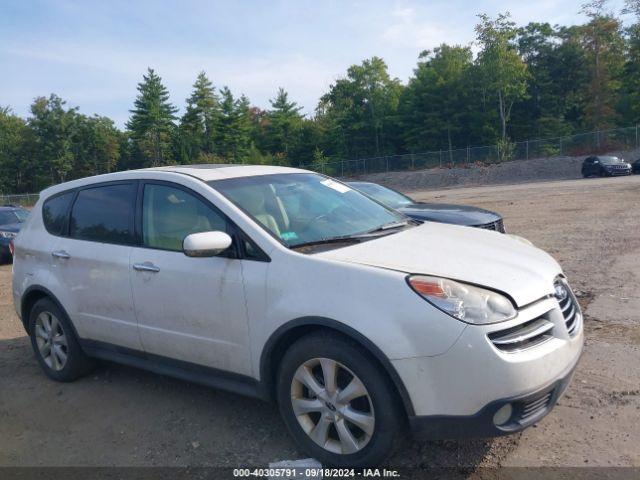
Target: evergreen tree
[(151, 124), (283, 124), (199, 122), (234, 127)]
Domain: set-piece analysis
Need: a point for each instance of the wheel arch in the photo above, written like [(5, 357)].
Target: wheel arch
[(29, 299), (285, 335)]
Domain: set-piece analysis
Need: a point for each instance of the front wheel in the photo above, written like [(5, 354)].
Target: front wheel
[(336, 403)]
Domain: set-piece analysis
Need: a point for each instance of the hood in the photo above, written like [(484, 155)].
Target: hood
[(471, 255), (447, 213), (11, 227)]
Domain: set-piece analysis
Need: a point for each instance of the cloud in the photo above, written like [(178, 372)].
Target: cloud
[(408, 32), (419, 26), (93, 54)]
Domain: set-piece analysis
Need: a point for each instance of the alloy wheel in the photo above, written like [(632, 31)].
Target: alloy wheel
[(332, 405), (51, 340)]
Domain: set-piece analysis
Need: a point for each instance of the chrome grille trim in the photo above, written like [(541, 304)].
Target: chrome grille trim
[(497, 226), (569, 307), (523, 336)]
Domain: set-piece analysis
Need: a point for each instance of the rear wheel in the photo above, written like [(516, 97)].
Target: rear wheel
[(337, 404), (55, 344)]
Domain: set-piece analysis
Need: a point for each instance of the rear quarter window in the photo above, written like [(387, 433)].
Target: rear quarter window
[(54, 212)]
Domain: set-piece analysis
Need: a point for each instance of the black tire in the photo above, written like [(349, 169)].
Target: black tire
[(388, 420), (77, 363)]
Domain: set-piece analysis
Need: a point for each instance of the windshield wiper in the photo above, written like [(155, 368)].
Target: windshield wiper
[(389, 226), (323, 241), (357, 238)]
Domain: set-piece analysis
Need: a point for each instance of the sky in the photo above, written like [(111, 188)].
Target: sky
[(93, 53)]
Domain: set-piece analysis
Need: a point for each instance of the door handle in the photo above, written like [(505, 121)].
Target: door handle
[(60, 254), (146, 267)]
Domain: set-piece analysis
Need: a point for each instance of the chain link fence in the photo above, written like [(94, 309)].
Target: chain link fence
[(24, 200), (598, 142)]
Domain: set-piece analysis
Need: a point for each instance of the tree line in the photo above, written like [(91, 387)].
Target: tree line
[(529, 81)]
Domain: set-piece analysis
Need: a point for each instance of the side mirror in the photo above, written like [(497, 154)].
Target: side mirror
[(205, 244)]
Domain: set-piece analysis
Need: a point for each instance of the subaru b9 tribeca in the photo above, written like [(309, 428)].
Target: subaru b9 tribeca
[(288, 285)]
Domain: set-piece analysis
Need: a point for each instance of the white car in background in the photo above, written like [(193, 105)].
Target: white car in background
[(284, 284)]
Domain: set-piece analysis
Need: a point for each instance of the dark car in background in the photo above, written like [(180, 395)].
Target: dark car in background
[(604, 166), (432, 212), (11, 219), (635, 166)]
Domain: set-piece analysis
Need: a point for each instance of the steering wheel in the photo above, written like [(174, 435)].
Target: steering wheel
[(317, 218)]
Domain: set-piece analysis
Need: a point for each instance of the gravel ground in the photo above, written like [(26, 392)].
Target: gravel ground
[(120, 416)]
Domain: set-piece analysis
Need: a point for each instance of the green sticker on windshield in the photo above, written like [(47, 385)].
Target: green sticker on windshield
[(288, 236)]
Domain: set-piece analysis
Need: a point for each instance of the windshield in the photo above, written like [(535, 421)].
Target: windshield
[(22, 215), (302, 208), (11, 216), (610, 160), (384, 195)]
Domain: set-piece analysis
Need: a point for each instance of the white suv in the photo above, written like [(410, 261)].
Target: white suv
[(288, 285)]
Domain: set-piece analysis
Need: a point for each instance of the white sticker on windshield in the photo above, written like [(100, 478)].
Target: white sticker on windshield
[(338, 187)]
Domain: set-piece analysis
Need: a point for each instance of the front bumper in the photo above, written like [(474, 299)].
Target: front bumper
[(618, 172), (527, 409), (458, 392)]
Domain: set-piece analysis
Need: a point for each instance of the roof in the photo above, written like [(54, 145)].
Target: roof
[(210, 172), (205, 173)]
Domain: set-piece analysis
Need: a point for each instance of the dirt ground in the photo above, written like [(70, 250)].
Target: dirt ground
[(120, 416)]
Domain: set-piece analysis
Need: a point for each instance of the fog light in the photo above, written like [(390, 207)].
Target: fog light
[(503, 415)]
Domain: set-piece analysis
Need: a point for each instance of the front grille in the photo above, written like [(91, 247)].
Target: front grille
[(568, 306), (533, 408), (498, 226), (618, 169), (523, 336)]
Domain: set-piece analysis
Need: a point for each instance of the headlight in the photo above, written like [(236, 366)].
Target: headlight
[(8, 234), (462, 301)]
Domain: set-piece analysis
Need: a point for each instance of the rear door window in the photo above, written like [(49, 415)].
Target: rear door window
[(104, 214)]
